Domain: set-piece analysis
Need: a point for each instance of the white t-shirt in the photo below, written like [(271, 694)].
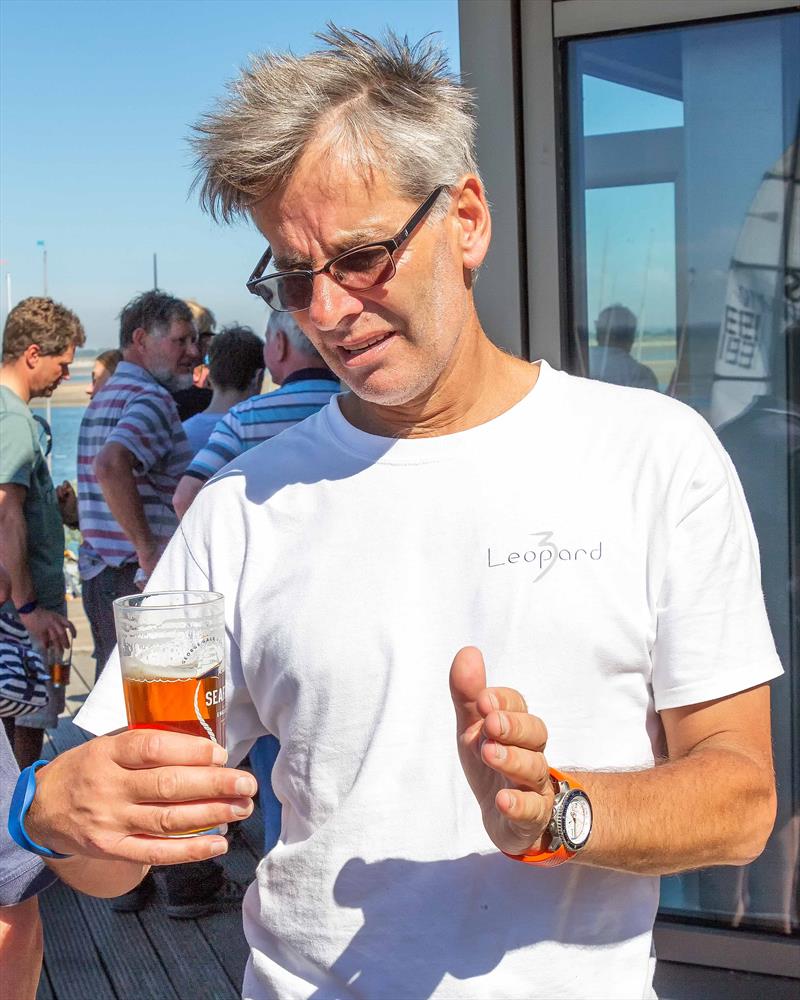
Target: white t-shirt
[(594, 542)]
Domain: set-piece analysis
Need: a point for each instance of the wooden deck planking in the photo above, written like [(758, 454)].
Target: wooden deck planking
[(230, 948), (132, 965), (74, 963), (45, 991), (188, 958)]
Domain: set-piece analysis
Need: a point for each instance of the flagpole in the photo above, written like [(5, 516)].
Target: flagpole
[(41, 243)]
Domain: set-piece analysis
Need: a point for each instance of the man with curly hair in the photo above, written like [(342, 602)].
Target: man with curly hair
[(39, 342)]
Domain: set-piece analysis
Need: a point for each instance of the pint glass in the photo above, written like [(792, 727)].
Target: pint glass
[(171, 650)]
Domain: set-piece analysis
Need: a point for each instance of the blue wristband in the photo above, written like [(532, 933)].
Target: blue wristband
[(18, 810)]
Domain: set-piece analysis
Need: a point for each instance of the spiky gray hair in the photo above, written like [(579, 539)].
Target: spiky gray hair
[(384, 104)]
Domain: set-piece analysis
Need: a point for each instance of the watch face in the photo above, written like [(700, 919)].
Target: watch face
[(576, 819)]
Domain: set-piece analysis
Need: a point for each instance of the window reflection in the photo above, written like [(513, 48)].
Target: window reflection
[(610, 360), (684, 210)]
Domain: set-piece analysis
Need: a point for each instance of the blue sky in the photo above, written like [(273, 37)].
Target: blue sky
[(97, 99)]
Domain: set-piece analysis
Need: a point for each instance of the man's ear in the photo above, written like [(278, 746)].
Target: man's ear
[(474, 222), (281, 345), (31, 355), (138, 337)]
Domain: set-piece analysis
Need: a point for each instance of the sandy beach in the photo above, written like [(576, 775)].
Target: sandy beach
[(67, 394), (73, 391)]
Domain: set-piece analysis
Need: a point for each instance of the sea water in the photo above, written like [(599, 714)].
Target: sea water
[(65, 422)]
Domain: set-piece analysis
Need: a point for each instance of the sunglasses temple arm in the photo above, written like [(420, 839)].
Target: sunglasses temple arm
[(417, 217), (261, 266)]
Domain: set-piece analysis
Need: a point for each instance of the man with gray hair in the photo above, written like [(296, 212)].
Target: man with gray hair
[(593, 542), (306, 385)]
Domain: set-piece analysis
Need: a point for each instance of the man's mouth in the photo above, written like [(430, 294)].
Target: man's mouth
[(368, 348)]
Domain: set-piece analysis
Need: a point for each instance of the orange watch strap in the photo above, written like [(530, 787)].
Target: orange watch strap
[(549, 859)]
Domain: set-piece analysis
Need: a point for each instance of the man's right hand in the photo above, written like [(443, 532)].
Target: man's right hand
[(119, 797), (147, 557), (48, 628)]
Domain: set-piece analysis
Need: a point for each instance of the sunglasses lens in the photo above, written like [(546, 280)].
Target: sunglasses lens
[(364, 268), (292, 291), (286, 292)]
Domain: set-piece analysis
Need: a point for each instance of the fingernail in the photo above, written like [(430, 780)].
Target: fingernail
[(500, 751), (245, 786), (218, 846), (493, 701), (240, 810), (219, 755), (503, 723)]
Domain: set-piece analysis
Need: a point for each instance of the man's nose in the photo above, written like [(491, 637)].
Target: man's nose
[(331, 304), (194, 351)]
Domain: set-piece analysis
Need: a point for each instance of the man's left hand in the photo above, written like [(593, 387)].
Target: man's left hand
[(501, 747)]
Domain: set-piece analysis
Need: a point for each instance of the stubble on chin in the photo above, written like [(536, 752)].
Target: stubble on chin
[(173, 382)]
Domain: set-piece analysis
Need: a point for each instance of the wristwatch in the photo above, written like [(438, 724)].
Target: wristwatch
[(569, 827)]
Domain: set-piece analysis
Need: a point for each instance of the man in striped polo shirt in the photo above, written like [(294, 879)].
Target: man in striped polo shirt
[(132, 450), (306, 385)]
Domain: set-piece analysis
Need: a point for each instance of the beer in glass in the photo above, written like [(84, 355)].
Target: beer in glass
[(172, 655)]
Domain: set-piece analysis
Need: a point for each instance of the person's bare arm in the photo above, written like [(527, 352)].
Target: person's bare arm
[(48, 627), (711, 803), (187, 490), (14, 542), (113, 467), (113, 802), (21, 946)]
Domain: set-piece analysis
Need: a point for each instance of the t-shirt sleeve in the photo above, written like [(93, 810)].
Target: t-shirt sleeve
[(713, 637), (104, 710), (17, 454), (21, 874), (224, 445), (147, 429)]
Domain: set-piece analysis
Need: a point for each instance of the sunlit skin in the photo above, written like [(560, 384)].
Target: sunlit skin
[(435, 372), (50, 371)]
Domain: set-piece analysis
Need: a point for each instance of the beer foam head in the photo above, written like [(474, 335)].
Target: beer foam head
[(158, 668)]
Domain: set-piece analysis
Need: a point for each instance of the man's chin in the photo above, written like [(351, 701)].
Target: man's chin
[(173, 382), (384, 387)]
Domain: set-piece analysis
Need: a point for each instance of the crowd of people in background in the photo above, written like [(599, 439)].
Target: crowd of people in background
[(168, 409)]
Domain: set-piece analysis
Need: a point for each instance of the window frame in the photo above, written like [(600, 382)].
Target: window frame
[(525, 114)]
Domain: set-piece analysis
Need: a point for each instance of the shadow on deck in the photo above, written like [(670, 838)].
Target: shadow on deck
[(92, 951)]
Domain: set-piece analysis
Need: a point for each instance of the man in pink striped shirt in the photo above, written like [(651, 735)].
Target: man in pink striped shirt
[(132, 451)]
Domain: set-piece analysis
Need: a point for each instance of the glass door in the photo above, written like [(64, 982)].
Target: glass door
[(683, 151)]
